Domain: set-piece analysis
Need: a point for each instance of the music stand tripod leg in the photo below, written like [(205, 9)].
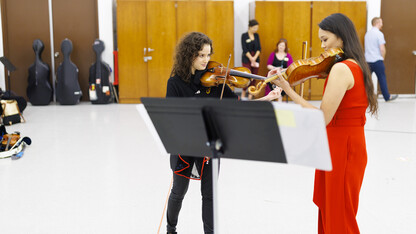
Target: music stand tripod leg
[(8, 81), (215, 143)]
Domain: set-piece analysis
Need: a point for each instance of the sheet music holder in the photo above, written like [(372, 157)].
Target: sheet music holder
[(248, 130), (264, 131), (217, 128), (10, 68)]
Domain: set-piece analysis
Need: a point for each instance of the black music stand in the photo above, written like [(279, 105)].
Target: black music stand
[(10, 68), (217, 128)]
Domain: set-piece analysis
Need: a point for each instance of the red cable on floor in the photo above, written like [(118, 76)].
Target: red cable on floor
[(166, 203)]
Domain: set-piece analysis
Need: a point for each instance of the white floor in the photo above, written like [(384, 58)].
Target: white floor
[(96, 169)]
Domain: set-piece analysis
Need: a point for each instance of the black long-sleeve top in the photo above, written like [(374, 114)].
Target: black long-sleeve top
[(178, 88), (250, 46)]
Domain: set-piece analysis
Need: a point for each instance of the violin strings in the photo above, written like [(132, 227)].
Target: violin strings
[(226, 74)]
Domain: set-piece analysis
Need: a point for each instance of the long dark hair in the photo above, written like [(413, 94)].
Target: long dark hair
[(343, 28), (186, 52)]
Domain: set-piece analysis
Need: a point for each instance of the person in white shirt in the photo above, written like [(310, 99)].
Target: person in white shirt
[(375, 52)]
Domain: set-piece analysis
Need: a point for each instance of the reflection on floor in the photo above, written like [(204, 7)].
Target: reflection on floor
[(96, 169)]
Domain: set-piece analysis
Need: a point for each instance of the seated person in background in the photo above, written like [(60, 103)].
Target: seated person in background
[(279, 58)]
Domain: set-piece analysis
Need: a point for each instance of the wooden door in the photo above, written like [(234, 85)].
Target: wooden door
[(297, 21), (23, 22), (220, 28), (213, 18), (289, 20), (153, 28), (355, 10), (146, 43), (399, 32), (297, 16), (76, 20), (161, 34), (270, 17), (320, 10), (132, 42), (190, 17)]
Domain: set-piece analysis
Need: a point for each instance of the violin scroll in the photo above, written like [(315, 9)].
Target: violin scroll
[(256, 90)]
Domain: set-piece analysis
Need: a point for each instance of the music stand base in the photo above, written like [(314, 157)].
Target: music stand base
[(215, 192)]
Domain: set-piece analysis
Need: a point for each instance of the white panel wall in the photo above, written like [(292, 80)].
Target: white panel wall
[(2, 80), (105, 29)]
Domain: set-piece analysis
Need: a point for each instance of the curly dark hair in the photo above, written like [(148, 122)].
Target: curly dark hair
[(186, 52), (343, 28)]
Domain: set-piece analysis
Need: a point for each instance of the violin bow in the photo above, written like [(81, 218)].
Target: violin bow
[(226, 74), (304, 52)]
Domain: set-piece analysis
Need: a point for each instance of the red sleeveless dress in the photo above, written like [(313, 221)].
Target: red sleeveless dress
[(336, 192)]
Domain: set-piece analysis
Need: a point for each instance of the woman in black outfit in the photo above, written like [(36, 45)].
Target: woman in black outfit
[(192, 55), (250, 42)]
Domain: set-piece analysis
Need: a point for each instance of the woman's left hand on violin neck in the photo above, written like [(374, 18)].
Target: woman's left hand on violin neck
[(279, 81)]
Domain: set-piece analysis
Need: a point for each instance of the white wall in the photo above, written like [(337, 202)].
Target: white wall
[(105, 29), (241, 18), (373, 10), (2, 80)]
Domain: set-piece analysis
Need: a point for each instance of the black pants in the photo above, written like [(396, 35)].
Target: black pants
[(179, 189)]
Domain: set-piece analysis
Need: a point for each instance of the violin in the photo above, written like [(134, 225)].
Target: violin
[(9, 140), (238, 77), (304, 69)]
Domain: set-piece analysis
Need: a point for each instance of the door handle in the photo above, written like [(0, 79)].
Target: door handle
[(414, 52), (150, 49), (147, 58), (56, 54)]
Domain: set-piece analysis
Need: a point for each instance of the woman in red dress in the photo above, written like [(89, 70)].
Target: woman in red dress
[(348, 92)]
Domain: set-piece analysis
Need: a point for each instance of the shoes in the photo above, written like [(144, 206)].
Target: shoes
[(392, 97)]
